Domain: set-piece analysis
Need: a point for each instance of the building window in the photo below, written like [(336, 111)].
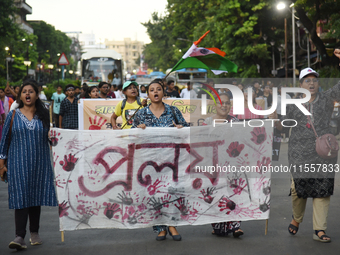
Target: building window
[(134, 54), (113, 46), (134, 47)]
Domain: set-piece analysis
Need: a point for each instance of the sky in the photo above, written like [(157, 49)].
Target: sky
[(110, 19)]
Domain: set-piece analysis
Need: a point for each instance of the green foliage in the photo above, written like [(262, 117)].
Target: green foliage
[(12, 36), (237, 27), (51, 42), (52, 87), (40, 47)]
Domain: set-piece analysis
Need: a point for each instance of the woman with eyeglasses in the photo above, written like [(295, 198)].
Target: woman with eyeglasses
[(302, 156), (222, 113), (248, 115)]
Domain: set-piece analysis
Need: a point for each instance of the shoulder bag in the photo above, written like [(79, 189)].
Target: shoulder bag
[(327, 146), (9, 142)]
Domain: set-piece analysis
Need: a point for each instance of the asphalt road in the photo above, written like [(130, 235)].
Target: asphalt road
[(195, 239)]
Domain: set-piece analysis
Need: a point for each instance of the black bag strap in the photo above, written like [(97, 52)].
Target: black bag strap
[(10, 129), (173, 112), (124, 103)]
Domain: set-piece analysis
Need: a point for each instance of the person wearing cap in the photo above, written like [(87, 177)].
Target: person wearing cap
[(128, 106), (302, 155)]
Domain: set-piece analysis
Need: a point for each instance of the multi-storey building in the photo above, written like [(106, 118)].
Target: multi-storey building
[(20, 16), (131, 51)]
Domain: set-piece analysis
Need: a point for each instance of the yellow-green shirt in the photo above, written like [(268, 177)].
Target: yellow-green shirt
[(128, 111)]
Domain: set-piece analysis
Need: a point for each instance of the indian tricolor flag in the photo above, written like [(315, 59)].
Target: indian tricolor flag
[(207, 58)]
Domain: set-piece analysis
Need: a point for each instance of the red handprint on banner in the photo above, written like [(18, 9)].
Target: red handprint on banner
[(183, 206), (95, 125), (264, 163), (110, 210), (259, 135), (63, 209), (207, 195), (235, 149), (226, 204), (152, 189), (54, 137), (69, 162)]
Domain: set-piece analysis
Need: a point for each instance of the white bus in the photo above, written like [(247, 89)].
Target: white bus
[(100, 65)]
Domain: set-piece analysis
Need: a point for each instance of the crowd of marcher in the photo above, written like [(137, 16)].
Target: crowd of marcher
[(25, 152)]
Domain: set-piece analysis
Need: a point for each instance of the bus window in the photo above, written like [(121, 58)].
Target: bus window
[(183, 76)]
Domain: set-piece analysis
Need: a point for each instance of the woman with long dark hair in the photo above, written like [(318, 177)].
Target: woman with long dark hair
[(92, 92), (29, 169), (159, 114)]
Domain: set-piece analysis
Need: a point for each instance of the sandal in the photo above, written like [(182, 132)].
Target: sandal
[(316, 237), (213, 233), (294, 228), (238, 233)]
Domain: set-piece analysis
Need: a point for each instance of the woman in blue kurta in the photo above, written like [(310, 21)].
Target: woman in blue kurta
[(29, 169), (158, 114)]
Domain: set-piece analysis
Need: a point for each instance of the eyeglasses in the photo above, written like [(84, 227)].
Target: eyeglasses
[(308, 81), (226, 103)]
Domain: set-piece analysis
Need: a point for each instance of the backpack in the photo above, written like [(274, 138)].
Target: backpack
[(124, 103)]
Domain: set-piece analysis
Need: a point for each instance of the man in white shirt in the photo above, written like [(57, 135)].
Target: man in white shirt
[(188, 92), (116, 80), (142, 92), (42, 95)]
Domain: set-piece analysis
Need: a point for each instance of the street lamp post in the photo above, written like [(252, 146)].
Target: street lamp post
[(27, 63), (280, 50), (8, 59), (70, 72), (58, 70), (293, 35), (281, 6), (308, 51), (273, 57), (299, 24), (50, 67)]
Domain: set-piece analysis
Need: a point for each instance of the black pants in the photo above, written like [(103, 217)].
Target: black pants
[(21, 216), (56, 120)]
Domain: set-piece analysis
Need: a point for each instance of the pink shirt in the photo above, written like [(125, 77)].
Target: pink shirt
[(1, 109)]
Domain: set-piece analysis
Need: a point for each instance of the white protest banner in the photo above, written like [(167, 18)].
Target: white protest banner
[(141, 178)]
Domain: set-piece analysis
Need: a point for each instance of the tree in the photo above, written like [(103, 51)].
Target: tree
[(160, 52), (311, 12), (50, 42), (238, 28), (10, 36)]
